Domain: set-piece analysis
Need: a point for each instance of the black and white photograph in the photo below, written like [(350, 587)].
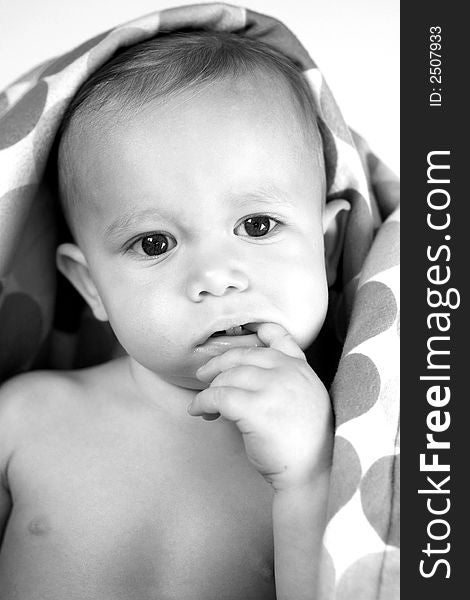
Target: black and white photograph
[(200, 301)]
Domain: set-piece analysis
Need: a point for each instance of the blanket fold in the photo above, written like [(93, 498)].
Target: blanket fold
[(43, 325)]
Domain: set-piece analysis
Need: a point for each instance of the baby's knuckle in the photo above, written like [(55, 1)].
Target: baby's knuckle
[(219, 393), (221, 380)]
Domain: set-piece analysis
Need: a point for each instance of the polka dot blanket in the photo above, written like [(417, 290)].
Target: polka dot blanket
[(43, 325)]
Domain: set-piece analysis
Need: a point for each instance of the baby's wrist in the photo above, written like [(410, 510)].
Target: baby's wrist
[(305, 483)]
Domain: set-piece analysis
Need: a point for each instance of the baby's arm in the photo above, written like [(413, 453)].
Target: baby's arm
[(299, 519), (284, 414)]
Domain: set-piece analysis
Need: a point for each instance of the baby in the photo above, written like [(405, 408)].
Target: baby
[(191, 175)]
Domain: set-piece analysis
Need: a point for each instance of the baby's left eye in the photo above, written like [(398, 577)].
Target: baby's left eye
[(154, 245), (256, 226)]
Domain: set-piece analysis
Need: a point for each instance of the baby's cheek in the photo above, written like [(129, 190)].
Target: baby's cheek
[(138, 320), (304, 293)]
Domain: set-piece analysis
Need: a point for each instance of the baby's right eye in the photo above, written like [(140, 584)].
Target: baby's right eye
[(154, 244)]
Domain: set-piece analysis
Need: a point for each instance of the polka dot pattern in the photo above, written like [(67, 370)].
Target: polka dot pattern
[(62, 62), (21, 119), (380, 490), (343, 487), (376, 300), (360, 384), (390, 236), (364, 305)]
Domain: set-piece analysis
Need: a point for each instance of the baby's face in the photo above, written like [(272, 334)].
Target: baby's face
[(201, 214)]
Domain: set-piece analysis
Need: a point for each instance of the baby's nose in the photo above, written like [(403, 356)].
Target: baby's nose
[(215, 280)]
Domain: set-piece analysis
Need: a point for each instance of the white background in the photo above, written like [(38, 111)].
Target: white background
[(355, 43)]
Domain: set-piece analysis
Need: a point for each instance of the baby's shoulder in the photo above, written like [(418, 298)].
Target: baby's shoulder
[(39, 388), (24, 397), (42, 397), (32, 403)]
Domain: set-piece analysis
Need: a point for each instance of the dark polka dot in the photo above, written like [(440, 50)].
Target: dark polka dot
[(380, 493), (20, 332), (371, 577), (16, 205), (345, 475), (23, 116), (331, 114), (66, 59), (376, 310), (388, 239), (357, 387)]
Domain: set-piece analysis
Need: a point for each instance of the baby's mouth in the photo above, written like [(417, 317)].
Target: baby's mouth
[(232, 331), (233, 337)]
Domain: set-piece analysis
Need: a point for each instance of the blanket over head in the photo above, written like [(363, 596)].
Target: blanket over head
[(43, 325)]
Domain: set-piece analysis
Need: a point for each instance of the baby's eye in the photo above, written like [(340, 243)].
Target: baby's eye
[(154, 244), (256, 226)]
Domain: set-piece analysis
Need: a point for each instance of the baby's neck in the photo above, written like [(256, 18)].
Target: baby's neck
[(158, 391)]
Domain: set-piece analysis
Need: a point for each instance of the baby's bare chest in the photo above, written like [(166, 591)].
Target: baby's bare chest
[(144, 521)]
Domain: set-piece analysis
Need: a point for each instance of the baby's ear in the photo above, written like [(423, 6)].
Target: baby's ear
[(335, 215), (72, 263)]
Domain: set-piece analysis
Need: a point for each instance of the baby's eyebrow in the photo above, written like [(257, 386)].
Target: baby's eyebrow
[(127, 222), (271, 196)]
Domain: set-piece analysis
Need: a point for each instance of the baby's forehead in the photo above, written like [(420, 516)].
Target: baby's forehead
[(117, 136)]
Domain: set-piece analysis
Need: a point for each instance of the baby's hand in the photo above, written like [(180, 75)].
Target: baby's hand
[(277, 402)]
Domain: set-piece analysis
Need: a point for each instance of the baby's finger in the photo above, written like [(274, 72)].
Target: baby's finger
[(278, 338), (255, 356), (230, 402), (246, 377)]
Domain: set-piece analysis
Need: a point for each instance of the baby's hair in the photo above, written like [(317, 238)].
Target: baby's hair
[(171, 63)]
